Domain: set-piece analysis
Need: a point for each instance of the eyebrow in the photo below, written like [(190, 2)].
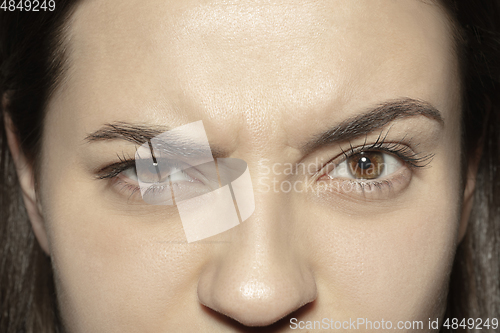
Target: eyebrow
[(140, 134), (134, 133), (374, 119), (348, 129)]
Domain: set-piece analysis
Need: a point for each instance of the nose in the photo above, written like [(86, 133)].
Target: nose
[(262, 275)]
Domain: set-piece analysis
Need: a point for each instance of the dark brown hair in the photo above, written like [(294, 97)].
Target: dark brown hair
[(31, 61), (475, 281), (32, 54)]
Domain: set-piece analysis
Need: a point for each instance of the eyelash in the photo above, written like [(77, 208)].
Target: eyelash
[(397, 149), (113, 170), (402, 151)]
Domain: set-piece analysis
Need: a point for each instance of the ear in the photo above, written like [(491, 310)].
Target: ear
[(470, 186), (26, 180)]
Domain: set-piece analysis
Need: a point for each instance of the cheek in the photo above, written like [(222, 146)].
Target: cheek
[(390, 267), (392, 263), (116, 267)]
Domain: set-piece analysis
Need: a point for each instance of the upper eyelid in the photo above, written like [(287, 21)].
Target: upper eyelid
[(380, 145), (113, 170), (386, 147)]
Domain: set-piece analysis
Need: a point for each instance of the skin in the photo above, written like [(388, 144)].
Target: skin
[(265, 78)]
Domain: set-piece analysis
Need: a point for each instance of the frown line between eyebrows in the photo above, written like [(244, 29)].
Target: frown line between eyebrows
[(372, 120)]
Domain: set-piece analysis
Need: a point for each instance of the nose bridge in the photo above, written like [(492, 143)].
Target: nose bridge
[(258, 278)]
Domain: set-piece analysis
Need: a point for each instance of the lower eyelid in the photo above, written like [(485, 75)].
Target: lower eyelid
[(124, 187), (361, 190), (131, 188)]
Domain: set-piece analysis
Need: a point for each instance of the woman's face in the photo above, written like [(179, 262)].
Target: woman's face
[(277, 84)]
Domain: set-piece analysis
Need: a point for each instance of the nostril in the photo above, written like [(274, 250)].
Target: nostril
[(256, 302), (281, 325)]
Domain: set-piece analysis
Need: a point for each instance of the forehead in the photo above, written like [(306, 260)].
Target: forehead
[(179, 61)]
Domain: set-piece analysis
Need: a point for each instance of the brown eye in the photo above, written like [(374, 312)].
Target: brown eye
[(366, 165), (145, 175), (151, 174)]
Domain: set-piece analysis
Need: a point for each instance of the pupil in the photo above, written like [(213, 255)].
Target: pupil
[(364, 163), (152, 168)]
